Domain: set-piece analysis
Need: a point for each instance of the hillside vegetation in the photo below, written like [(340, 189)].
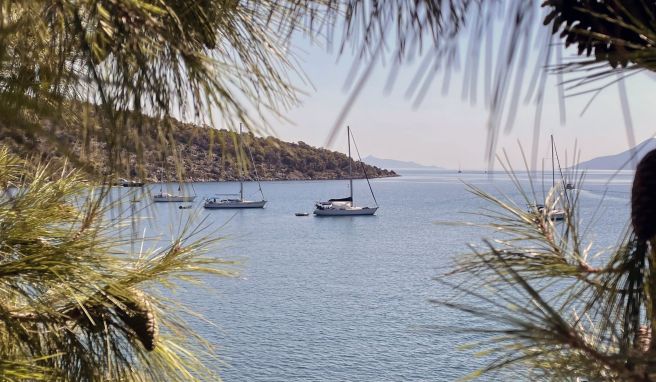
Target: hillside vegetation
[(205, 154)]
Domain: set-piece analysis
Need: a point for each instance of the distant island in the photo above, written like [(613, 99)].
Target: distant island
[(397, 164), (622, 160), (207, 154)]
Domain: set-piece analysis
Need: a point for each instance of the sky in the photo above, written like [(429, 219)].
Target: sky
[(448, 131)]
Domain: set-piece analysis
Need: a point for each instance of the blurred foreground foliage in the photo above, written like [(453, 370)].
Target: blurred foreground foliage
[(75, 304), (550, 312), (556, 310)]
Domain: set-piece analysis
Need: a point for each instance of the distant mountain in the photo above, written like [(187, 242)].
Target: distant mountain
[(620, 161), (396, 164)]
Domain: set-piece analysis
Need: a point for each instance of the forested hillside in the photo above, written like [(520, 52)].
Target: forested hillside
[(204, 154)]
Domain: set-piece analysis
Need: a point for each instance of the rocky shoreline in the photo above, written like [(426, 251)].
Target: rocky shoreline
[(292, 177)]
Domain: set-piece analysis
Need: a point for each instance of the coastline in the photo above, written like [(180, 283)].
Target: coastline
[(294, 179)]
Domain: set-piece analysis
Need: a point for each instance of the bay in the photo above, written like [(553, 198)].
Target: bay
[(347, 299)]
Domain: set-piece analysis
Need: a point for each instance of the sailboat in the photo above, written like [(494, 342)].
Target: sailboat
[(346, 206), (163, 197), (166, 197), (226, 201), (556, 213)]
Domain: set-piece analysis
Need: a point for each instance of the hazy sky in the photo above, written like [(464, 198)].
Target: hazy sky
[(446, 130)]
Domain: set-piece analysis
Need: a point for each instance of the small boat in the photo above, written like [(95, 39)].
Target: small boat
[(345, 206), (166, 197), (131, 183), (185, 207), (227, 202), (302, 214)]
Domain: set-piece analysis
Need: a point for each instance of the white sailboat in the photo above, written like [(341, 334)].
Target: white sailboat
[(225, 201), (165, 197), (554, 214), (346, 206)]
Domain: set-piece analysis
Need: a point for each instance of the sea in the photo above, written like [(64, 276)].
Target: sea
[(351, 298)]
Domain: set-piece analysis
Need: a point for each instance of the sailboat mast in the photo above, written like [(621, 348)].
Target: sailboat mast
[(553, 171), (241, 178), (348, 131)]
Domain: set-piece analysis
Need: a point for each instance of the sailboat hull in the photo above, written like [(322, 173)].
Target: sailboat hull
[(557, 215), (173, 199), (225, 204), (351, 211)]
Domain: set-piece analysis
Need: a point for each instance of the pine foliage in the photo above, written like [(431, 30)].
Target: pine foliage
[(556, 311), (75, 304)]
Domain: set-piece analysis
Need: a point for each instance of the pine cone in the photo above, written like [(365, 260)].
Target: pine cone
[(139, 316), (644, 338), (643, 198)]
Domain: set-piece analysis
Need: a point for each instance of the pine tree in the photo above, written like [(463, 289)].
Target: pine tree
[(552, 315)]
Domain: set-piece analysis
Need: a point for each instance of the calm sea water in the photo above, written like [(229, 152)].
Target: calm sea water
[(347, 299)]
